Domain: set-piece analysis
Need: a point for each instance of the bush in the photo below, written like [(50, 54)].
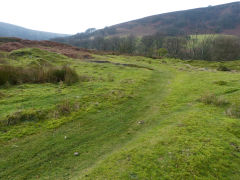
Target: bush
[(210, 98), (162, 52)]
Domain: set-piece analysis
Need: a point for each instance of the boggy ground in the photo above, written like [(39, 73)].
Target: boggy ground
[(170, 120)]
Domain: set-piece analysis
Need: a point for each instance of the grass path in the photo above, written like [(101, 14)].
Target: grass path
[(49, 155), (187, 140), (162, 132)]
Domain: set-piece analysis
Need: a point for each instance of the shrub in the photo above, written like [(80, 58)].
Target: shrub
[(162, 52), (210, 98)]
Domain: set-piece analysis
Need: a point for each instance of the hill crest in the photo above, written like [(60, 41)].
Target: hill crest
[(10, 30)]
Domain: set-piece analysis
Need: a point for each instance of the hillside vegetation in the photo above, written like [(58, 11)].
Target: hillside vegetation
[(9, 30), (125, 117), (220, 19), (210, 33), (211, 47)]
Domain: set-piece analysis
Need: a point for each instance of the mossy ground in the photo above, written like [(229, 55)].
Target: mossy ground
[(128, 122)]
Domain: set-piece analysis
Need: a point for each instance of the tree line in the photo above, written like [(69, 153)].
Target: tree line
[(202, 47)]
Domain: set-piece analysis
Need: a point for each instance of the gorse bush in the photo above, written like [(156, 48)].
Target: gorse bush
[(17, 75)]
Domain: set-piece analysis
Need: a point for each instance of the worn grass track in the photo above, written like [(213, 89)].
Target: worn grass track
[(94, 135), (188, 140), (133, 123)]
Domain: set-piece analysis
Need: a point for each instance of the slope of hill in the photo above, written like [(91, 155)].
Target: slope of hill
[(9, 30), (224, 19), (126, 117), (213, 19)]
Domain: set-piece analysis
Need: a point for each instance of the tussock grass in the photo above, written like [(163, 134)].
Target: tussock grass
[(210, 98), (234, 111), (85, 78), (18, 75), (221, 83), (64, 108), (223, 68), (2, 95), (22, 116)]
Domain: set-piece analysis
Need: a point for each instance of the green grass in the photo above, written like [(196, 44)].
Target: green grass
[(125, 122)]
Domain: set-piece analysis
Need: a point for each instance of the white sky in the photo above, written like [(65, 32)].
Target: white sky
[(72, 16)]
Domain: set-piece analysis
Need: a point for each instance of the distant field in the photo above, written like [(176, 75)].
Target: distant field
[(204, 36), (127, 117)]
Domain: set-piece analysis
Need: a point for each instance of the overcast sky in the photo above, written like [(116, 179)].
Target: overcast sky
[(72, 16)]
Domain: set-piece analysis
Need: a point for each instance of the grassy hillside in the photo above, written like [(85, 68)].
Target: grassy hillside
[(127, 117), (9, 30)]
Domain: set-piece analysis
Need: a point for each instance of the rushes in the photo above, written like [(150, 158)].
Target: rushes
[(17, 75), (210, 98), (232, 110)]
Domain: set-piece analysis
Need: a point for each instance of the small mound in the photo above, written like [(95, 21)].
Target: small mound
[(10, 44)]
